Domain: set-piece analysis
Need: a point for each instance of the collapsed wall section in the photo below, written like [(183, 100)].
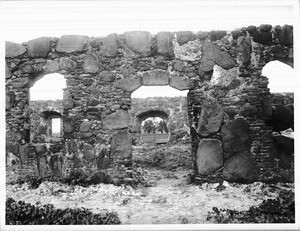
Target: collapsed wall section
[(221, 69)]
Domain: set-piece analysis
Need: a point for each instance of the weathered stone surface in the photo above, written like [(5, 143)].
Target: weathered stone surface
[(202, 35), (165, 43), (90, 65), (42, 166), (155, 78), (14, 136), (265, 27), (209, 156), (110, 45), (7, 71), (103, 159), (286, 35), (248, 110), (19, 82), (13, 49), (217, 34), (211, 117), (181, 83), (72, 43), (68, 127), (138, 42), (117, 120), (212, 54), (87, 81), (178, 65), (244, 51), (264, 38), (251, 29), (235, 136), (67, 64), (12, 147), (240, 168), (235, 83), (121, 145), (52, 65), (88, 152), (231, 111), (129, 84), (56, 165), (24, 150), (40, 149), (85, 126), (184, 37), (107, 76), (39, 47), (68, 102), (10, 99), (72, 146)]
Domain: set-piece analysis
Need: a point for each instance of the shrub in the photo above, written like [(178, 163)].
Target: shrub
[(21, 213), (279, 210)]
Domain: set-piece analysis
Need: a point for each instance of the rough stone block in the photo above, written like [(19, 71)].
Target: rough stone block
[(42, 166), (72, 146), (165, 43), (7, 71), (248, 110), (88, 152), (10, 99), (211, 117), (67, 100), (236, 136), (14, 136), (68, 127), (129, 84), (138, 43), (286, 35), (56, 165), (90, 65), (178, 65), (24, 151), (217, 34), (155, 78), (40, 149), (110, 45), (184, 37), (85, 126), (244, 51), (121, 145), (235, 83), (13, 50), (39, 47), (240, 168), (103, 159), (107, 76), (19, 82), (264, 38), (117, 120), (67, 64), (72, 43), (52, 65), (181, 83), (12, 147), (209, 156), (224, 59), (265, 27)]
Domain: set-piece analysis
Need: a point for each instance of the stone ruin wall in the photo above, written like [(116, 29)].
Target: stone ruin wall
[(226, 110)]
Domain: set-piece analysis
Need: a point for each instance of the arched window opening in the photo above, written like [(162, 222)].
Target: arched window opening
[(46, 108), (281, 77)]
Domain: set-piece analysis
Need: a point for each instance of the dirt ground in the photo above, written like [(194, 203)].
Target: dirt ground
[(169, 200)]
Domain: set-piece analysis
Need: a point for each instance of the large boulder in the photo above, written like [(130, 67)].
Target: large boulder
[(165, 43), (155, 78), (90, 65), (209, 156), (184, 37), (117, 120), (129, 84), (39, 47), (236, 136), (13, 49), (20, 82), (240, 168), (52, 65), (88, 152), (110, 45), (137, 43), (67, 64), (72, 43), (121, 145), (211, 117), (285, 36), (181, 83)]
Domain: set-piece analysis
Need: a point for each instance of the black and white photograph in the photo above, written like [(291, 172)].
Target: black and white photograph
[(149, 115)]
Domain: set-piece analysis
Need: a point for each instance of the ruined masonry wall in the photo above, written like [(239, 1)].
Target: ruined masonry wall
[(219, 68)]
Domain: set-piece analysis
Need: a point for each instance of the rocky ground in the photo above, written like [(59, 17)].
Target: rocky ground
[(168, 199)]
